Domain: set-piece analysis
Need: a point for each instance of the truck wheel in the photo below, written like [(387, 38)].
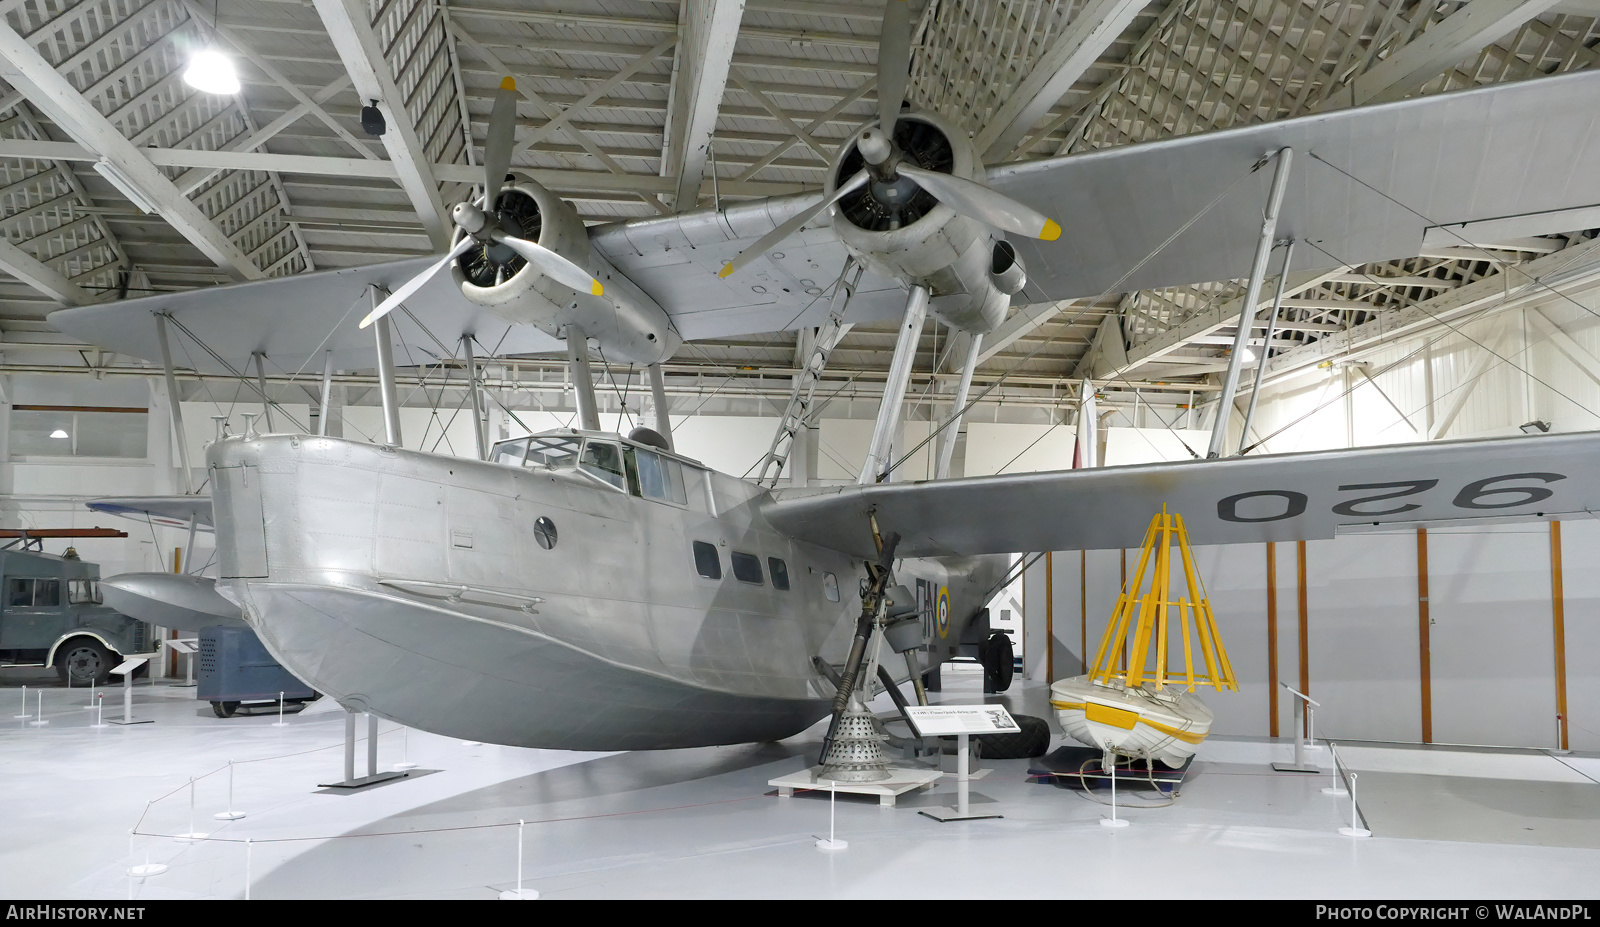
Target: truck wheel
[(83, 660), (224, 709)]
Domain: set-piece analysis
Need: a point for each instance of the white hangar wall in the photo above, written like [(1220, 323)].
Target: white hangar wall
[(1501, 663)]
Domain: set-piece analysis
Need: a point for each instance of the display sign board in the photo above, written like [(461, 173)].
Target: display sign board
[(938, 720), (127, 666)]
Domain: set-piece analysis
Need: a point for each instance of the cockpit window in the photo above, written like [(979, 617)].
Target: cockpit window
[(537, 451), (604, 460), (550, 451), (510, 452)]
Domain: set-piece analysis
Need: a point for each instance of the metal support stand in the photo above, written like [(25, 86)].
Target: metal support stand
[(373, 776), (894, 389), (952, 426), (1110, 764), (125, 670), (519, 893), (832, 842), (582, 378), (962, 810), (1355, 829), (1301, 708), (386, 387), (1252, 294)]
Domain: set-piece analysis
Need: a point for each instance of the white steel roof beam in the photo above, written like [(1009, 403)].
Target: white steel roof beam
[(30, 270), (1461, 34), (353, 36), (1068, 58), (707, 32), (30, 73)]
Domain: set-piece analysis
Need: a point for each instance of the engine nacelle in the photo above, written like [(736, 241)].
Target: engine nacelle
[(625, 322), (921, 240)]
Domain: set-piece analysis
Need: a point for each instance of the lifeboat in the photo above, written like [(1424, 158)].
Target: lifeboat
[(1136, 701), (1165, 725)]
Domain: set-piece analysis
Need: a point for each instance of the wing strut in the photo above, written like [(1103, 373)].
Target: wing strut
[(1252, 294)]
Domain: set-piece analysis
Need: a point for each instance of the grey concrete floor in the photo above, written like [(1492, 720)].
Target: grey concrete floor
[(86, 804)]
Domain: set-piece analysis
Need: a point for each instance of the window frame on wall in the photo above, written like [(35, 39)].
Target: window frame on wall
[(74, 424)]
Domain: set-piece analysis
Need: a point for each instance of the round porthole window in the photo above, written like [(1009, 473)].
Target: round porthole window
[(544, 530)]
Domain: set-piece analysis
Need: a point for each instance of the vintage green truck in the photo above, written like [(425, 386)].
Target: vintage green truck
[(51, 614)]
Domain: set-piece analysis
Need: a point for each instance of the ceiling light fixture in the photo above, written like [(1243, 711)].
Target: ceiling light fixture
[(112, 172), (209, 70), (59, 433), (1535, 427)]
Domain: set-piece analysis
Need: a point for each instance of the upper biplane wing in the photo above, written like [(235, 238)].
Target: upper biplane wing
[(1284, 497), (1365, 185)]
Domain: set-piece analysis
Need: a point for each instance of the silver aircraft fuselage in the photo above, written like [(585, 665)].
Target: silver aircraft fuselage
[(548, 603)]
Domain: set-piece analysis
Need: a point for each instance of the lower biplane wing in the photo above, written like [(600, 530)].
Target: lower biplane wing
[(1282, 497), (168, 511)]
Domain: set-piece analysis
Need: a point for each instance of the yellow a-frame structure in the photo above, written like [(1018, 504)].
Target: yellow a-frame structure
[(1141, 614)]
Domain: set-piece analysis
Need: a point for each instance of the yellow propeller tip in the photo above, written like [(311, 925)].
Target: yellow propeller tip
[(365, 322), (726, 270), (596, 288), (1051, 231), (508, 83)]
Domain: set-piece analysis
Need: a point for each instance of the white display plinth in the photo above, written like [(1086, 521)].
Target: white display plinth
[(900, 781)]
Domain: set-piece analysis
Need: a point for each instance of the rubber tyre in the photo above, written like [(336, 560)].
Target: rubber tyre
[(1033, 740), (224, 709), (83, 658), (998, 661)]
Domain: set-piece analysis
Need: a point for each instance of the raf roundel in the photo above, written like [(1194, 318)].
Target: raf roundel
[(941, 612)]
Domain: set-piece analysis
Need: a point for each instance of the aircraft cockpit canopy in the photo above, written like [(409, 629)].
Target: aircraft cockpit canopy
[(641, 471)]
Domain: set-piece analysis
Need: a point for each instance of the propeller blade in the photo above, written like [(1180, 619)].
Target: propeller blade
[(415, 283), (552, 265), (894, 63), (765, 242), (502, 133), (977, 201)]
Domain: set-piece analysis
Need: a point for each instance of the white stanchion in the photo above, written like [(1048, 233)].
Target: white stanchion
[(39, 720), (405, 750), (1110, 764), (24, 712), (280, 722), (1338, 784), (92, 698), (519, 893), (247, 868), (147, 868), (230, 814), (1355, 829), (832, 843), (193, 836), (99, 705)]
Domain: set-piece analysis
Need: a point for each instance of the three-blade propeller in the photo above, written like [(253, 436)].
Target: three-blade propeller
[(966, 197), (482, 226)]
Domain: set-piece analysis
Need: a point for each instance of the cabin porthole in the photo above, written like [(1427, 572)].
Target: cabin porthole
[(544, 531)]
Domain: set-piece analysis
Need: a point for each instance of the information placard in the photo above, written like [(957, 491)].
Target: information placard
[(938, 720)]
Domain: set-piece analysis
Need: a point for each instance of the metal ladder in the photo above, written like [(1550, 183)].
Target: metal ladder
[(798, 412)]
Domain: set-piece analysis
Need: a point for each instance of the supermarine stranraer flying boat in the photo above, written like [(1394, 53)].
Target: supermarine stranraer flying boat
[(586, 590)]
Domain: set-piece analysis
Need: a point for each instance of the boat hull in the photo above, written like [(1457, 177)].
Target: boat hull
[(1131, 722)]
